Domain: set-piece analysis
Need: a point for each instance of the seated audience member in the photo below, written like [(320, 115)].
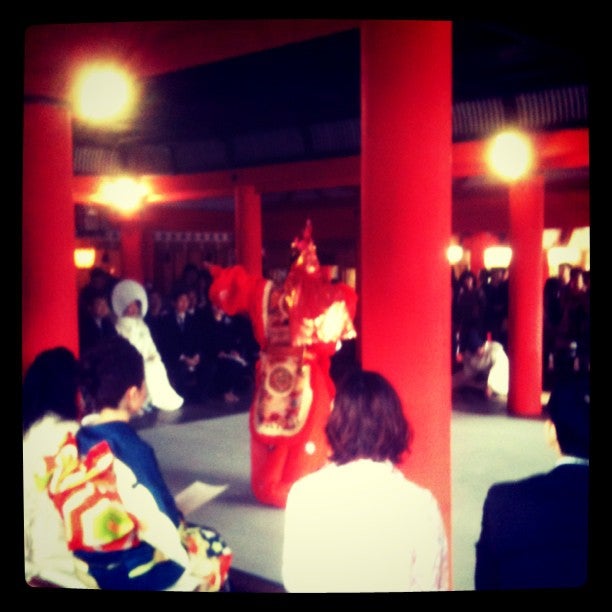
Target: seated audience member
[(231, 352), (535, 531), (179, 339), (100, 282), (485, 366), (123, 523), (358, 524), (96, 322), (129, 300), (50, 410), (156, 310)]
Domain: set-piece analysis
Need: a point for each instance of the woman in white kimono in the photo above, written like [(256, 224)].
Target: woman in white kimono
[(130, 304)]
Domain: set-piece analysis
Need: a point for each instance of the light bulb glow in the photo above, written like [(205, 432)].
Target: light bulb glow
[(124, 193), (454, 254), (562, 254), (580, 238), (103, 94), (84, 258), (510, 155), (497, 257), (550, 237)]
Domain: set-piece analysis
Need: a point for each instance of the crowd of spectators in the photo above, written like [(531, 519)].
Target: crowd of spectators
[(207, 353), (480, 304)]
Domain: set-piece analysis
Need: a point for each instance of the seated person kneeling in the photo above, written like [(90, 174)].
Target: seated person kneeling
[(122, 521), (485, 366)]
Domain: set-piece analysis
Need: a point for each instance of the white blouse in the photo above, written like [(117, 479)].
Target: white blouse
[(363, 527)]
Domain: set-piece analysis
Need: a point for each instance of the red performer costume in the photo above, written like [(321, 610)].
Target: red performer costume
[(298, 326)]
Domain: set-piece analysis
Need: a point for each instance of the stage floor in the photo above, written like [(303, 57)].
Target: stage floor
[(212, 445)]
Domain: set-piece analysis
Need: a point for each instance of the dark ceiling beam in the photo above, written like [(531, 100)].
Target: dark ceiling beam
[(54, 52), (561, 149)]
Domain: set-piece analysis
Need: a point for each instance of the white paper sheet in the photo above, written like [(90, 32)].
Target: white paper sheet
[(197, 494)]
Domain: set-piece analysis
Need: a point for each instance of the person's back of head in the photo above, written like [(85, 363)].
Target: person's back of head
[(108, 370), (474, 341), (569, 409), (50, 385), (367, 420), (467, 280)]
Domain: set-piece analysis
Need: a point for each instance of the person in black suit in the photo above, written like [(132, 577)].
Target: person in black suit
[(96, 321), (230, 353), (178, 337), (534, 531)]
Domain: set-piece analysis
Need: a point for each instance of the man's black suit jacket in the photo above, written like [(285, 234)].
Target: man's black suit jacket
[(172, 341), (534, 532)]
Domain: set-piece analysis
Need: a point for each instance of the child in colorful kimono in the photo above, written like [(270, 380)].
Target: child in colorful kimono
[(121, 520)]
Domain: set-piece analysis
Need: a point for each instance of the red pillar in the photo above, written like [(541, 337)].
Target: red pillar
[(49, 292), (132, 250), (525, 300), (248, 229), (406, 152)]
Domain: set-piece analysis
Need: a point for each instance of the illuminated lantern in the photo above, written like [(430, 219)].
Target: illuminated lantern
[(497, 257), (84, 258), (454, 254), (510, 156)]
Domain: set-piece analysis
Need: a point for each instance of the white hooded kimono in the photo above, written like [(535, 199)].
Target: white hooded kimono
[(161, 393)]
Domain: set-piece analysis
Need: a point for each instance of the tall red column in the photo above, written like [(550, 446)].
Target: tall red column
[(49, 291), (132, 250), (406, 151), (248, 229), (525, 300)]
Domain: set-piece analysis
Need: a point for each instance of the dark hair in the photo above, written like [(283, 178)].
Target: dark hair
[(569, 408), (50, 385), (108, 370), (178, 289), (367, 420), (474, 340)]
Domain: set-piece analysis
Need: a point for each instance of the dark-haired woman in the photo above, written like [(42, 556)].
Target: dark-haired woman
[(50, 409), (358, 524)]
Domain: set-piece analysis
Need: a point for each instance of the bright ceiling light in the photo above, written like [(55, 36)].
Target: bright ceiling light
[(84, 258), (550, 237), (124, 193), (580, 238), (497, 257), (454, 254), (563, 255), (510, 155), (103, 93)]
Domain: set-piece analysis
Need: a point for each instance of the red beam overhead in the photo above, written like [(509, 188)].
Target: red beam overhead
[(561, 149), (342, 171)]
